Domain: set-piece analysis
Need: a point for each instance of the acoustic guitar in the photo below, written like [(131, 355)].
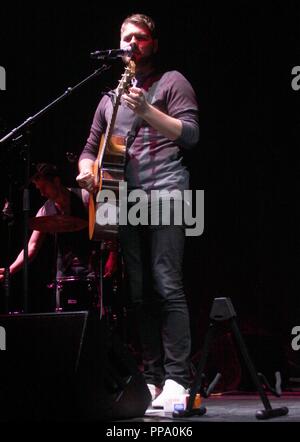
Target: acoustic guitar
[(109, 171)]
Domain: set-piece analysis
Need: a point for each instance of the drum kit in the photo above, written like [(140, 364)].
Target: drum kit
[(57, 223), (72, 292)]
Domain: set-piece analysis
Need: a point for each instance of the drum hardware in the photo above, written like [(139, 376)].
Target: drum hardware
[(74, 293)]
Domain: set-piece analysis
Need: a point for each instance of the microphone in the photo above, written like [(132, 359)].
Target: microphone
[(114, 53)]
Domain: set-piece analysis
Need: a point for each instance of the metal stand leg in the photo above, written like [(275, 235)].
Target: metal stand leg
[(57, 286), (268, 412), (8, 218), (223, 310), (57, 290)]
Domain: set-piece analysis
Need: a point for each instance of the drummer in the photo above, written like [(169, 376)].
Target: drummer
[(75, 254)]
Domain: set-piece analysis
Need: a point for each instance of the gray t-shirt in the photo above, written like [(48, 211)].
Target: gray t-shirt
[(153, 161)]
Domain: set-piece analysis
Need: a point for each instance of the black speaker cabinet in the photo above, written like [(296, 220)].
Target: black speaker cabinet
[(67, 366)]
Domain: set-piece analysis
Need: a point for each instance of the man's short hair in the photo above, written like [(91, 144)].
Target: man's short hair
[(45, 171), (142, 20)]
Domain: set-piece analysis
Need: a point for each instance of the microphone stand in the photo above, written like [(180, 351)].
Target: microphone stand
[(8, 218), (21, 134)]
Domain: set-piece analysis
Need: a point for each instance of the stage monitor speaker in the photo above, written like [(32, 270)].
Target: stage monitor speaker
[(67, 366)]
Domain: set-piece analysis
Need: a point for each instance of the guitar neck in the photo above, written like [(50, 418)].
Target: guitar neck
[(123, 85), (111, 152)]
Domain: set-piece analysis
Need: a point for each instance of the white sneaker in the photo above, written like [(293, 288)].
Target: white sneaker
[(171, 390), (154, 390)]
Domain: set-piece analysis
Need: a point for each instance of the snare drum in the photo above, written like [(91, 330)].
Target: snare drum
[(75, 293)]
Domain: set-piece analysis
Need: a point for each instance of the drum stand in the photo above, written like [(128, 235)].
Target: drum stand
[(56, 287), (110, 296), (102, 306), (222, 310), (100, 285)]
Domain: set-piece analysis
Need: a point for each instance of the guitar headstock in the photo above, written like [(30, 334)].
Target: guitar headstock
[(126, 78)]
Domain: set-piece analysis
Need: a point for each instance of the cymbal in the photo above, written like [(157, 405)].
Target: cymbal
[(57, 223)]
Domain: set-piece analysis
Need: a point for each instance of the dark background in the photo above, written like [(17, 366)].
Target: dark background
[(239, 58)]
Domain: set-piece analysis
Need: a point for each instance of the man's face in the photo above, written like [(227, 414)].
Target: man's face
[(141, 36), (48, 189)]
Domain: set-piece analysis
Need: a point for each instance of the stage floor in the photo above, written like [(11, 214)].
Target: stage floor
[(232, 407)]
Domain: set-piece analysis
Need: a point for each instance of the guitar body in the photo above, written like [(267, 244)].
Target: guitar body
[(107, 178)]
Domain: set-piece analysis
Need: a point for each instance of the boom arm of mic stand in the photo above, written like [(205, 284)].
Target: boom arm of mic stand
[(30, 120)]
